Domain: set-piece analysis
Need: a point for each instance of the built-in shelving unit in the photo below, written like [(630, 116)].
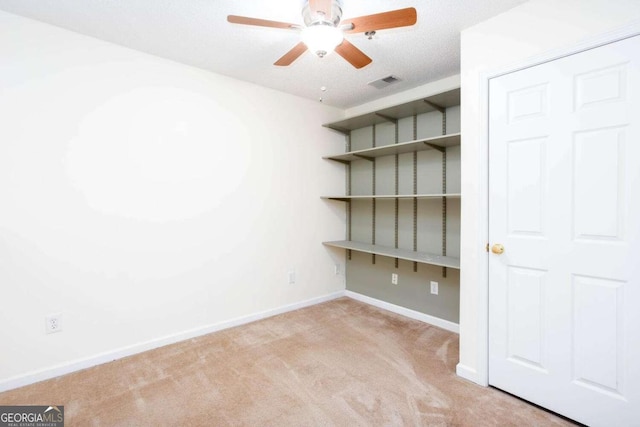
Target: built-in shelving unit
[(436, 103), (401, 201)]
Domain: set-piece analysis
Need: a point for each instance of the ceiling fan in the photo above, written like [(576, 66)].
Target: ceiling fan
[(324, 29)]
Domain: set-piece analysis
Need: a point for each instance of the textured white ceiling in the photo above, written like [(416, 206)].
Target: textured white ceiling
[(196, 32)]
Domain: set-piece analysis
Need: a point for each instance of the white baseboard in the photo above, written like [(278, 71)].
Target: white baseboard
[(416, 315), (109, 356), (468, 373)]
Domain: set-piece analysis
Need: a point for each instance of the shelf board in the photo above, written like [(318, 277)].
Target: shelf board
[(393, 196), (421, 257), (419, 106), (434, 143)]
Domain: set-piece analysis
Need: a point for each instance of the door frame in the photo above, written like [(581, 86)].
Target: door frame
[(482, 339)]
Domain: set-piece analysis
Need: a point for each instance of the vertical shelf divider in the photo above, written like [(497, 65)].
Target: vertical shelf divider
[(373, 192), (415, 191), (348, 191), (443, 150), (397, 184), (444, 191)]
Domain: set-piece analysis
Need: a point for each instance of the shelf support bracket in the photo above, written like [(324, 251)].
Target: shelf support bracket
[(388, 118), (343, 131), (344, 162), (435, 106), (371, 159), (436, 147)]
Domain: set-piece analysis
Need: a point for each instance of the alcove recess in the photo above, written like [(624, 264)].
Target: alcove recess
[(402, 201)]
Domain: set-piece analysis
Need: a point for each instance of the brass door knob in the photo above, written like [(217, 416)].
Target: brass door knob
[(497, 249)]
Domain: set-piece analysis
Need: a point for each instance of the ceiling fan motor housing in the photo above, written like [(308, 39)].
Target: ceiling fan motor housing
[(318, 17)]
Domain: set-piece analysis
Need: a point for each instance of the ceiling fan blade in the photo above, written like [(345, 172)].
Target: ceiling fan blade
[(323, 6), (382, 21), (244, 20), (352, 54), (292, 55)]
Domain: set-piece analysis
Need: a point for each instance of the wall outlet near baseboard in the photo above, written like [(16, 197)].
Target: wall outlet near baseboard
[(336, 269), (394, 278), (434, 287), (53, 323), (292, 277)]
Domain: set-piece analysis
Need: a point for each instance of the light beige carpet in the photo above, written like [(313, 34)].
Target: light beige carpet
[(340, 363)]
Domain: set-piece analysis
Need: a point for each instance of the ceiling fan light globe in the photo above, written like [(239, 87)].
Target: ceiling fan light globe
[(322, 39)]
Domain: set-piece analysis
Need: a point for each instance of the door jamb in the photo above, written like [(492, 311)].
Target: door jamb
[(625, 32)]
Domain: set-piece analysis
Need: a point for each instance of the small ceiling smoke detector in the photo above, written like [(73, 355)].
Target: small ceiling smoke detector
[(384, 82)]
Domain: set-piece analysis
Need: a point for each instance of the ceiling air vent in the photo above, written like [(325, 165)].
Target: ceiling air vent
[(384, 82)]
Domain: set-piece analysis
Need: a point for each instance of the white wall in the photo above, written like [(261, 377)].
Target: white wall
[(539, 27), (146, 200)]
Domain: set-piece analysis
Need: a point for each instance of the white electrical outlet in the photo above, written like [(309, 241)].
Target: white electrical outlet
[(292, 277), (336, 269), (434, 287), (394, 279), (53, 323)]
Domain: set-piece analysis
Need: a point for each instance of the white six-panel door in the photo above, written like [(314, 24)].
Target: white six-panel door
[(564, 201)]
